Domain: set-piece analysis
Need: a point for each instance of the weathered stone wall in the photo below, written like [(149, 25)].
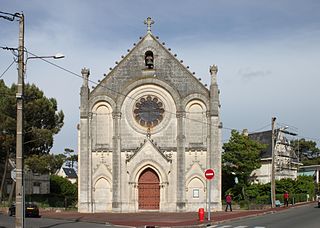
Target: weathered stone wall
[(115, 149)]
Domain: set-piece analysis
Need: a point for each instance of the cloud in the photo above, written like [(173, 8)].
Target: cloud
[(272, 45), (249, 74)]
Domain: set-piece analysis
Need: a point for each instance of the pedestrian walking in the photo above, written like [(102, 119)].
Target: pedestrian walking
[(229, 202), (286, 198)]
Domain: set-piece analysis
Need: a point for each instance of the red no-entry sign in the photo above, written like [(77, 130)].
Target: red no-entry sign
[(209, 174)]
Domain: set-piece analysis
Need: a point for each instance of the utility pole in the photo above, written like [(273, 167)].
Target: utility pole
[(273, 185), (19, 140)]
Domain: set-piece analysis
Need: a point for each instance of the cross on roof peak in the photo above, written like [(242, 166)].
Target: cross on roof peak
[(149, 22)]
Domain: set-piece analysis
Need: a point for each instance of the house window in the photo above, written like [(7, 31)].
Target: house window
[(36, 188), (195, 193)]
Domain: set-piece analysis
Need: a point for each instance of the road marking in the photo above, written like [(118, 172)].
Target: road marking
[(228, 226)]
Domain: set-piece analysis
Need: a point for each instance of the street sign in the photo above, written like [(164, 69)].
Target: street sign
[(209, 174), (13, 174)]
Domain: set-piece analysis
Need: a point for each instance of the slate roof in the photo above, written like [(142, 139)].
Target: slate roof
[(70, 172), (265, 138)]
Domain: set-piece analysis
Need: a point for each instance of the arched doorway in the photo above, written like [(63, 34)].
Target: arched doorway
[(149, 190)]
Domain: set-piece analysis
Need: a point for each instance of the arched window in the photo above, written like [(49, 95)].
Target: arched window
[(196, 123), (102, 125)]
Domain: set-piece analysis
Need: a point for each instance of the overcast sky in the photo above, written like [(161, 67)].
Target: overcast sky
[(267, 52)]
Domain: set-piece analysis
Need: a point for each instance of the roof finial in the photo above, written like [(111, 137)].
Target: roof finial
[(149, 22)]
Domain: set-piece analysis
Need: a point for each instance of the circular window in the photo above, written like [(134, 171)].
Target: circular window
[(148, 111)]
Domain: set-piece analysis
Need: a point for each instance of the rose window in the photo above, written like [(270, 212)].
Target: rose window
[(148, 111)]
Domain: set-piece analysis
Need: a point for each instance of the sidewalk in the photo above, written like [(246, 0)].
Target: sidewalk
[(156, 219)]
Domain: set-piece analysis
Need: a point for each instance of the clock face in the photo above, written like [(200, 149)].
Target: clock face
[(148, 111)]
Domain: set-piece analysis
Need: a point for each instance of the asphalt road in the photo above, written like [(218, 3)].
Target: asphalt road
[(9, 222), (307, 216)]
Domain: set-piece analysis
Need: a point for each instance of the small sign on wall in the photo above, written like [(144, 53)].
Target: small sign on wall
[(195, 193)]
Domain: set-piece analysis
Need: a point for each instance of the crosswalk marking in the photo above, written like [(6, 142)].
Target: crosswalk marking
[(230, 226)]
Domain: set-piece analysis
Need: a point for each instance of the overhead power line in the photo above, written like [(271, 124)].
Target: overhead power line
[(112, 90), (125, 95), (5, 71)]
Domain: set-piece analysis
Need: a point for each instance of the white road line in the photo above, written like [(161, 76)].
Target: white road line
[(259, 227), (226, 226), (212, 226), (240, 226)]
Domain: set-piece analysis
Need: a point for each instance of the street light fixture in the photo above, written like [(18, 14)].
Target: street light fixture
[(59, 56), (56, 56)]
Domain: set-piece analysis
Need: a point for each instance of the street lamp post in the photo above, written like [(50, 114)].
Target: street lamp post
[(19, 133), (19, 143), (19, 220)]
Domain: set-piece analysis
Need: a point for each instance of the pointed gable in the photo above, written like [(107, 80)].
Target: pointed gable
[(166, 67), (148, 150)]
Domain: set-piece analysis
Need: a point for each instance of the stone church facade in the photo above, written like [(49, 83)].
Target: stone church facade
[(147, 133)]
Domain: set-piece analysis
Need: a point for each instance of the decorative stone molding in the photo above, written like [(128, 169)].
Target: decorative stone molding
[(129, 109), (93, 101), (181, 114), (167, 157), (149, 81), (116, 115), (204, 100)]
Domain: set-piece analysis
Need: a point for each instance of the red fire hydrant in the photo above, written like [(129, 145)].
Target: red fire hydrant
[(201, 214)]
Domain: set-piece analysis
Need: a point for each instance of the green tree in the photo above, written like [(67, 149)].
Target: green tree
[(63, 187), (41, 122), (241, 156), (306, 149), (47, 163), (71, 158), (41, 118), (305, 184), (7, 121)]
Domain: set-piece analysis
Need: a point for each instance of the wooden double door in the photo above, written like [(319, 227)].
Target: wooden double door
[(149, 190)]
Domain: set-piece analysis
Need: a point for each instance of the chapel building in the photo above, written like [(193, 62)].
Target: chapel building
[(147, 133)]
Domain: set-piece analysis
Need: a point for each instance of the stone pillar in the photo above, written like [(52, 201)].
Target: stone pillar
[(215, 140), (90, 185), (181, 161), (83, 175), (209, 152), (116, 163)]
